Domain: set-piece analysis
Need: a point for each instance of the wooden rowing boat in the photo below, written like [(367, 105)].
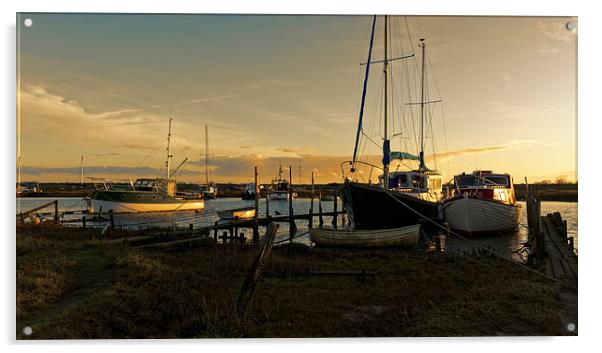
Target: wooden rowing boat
[(405, 236), (238, 213)]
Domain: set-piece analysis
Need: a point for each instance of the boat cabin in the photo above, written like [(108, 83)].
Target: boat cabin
[(279, 185), (485, 184), (155, 184), (413, 181)]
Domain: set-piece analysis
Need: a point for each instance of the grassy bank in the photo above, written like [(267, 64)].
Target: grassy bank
[(75, 285)]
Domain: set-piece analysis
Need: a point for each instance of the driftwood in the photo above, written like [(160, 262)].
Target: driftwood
[(250, 281)]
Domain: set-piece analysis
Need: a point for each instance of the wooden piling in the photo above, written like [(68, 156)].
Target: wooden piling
[(311, 203), (56, 211), (267, 203), (320, 219), (292, 228), (112, 219), (256, 217), (83, 222), (335, 209)]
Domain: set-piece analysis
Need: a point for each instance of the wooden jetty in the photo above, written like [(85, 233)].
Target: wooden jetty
[(554, 254)]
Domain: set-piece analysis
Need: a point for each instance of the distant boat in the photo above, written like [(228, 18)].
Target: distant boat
[(209, 190), (401, 198), (28, 187), (344, 237), (237, 213), (145, 194), (248, 192), (483, 202), (279, 190)]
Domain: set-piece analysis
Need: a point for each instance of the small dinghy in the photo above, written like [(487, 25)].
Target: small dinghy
[(405, 236), (237, 213)]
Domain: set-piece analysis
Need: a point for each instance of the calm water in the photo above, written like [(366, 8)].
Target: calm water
[(206, 217), (503, 244)]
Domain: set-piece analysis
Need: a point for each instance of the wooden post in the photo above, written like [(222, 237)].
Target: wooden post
[(311, 204), (190, 226), (224, 237), (256, 217), (112, 220), (83, 222), (571, 241), (335, 208), (56, 211), (255, 233), (267, 203), (291, 219), (320, 219)]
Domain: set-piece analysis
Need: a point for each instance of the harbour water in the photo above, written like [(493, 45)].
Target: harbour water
[(504, 244)]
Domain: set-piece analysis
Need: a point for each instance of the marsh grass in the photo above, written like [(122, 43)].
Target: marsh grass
[(103, 290)]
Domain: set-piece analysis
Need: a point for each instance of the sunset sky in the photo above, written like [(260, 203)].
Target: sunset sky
[(287, 88)]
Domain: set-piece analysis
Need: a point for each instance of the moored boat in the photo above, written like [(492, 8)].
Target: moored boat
[(248, 192), (279, 190), (401, 197), (346, 237), (237, 213), (144, 195), (482, 202)]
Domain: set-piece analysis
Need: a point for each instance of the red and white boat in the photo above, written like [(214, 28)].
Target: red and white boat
[(482, 202)]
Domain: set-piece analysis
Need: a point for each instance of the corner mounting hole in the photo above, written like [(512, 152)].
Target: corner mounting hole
[(571, 25), (571, 327), (28, 22), (27, 331)]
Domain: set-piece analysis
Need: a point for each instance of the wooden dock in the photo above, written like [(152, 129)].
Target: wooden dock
[(554, 254)]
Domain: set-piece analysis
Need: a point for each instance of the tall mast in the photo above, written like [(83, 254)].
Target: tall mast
[(168, 161), (19, 158), (206, 157), (360, 120), (82, 174), (422, 165), (386, 143)]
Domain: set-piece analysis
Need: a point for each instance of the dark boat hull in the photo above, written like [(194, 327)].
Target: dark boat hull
[(370, 207)]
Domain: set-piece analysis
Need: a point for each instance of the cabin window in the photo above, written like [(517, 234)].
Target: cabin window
[(138, 197), (467, 180), (497, 180), (123, 196)]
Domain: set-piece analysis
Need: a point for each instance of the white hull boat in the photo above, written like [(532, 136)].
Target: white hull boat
[(483, 202), (238, 213), (406, 236), (473, 215), (135, 207)]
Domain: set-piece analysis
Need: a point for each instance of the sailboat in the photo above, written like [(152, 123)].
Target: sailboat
[(145, 194), (401, 198)]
